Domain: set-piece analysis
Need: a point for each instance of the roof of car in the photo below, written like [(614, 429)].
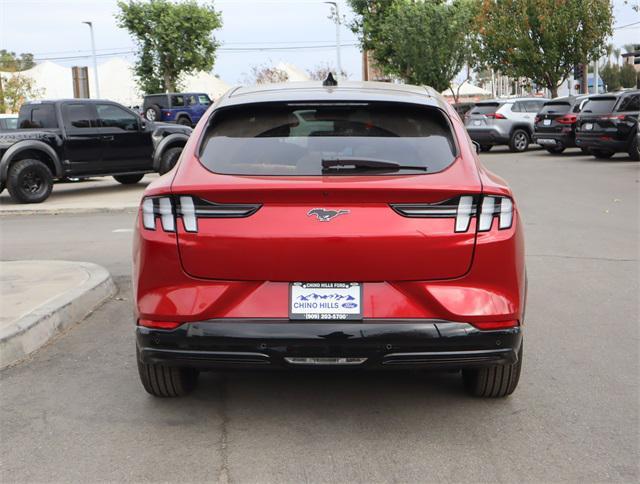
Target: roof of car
[(314, 91), (512, 100)]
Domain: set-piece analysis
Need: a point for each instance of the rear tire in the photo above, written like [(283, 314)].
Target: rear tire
[(634, 150), (128, 179), (169, 159), (184, 121), (29, 181), (152, 113), (167, 381), (519, 141), (495, 381), (586, 151), (602, 154), (485, 148)]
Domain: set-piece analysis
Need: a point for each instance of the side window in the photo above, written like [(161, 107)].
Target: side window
[(204, 99), (517, 107), (191, 100), (630, 103), (177, 101), (79, 116), (115, 117), (533, 106), (38, 116)]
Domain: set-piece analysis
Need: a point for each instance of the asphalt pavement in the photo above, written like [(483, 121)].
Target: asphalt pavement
[(75, 411)]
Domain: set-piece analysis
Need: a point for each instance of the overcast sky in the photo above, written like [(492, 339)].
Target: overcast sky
[(301, 29)]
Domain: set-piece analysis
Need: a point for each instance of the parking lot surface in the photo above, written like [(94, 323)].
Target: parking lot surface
[(77, 412)]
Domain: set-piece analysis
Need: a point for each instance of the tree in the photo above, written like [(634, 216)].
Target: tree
[(420, 42), (542, 39), (173, 39), (628, 76), (266, 74), (10, 62), (17, 88), (321, 71), (610, 75)]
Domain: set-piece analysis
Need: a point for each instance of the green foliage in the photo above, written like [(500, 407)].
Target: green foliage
[(420, 42), (10, 62), (16, 89), (628, 76), (173, 39), (610, 75), (542, 39)]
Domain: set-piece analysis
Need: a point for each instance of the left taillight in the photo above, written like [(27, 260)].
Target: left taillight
[(189, 209)]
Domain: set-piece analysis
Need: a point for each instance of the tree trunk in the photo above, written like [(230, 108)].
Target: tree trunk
[(2, 106), (554, 90), (168, 82)]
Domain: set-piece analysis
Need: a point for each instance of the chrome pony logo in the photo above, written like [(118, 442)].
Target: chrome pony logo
[(326, 215)]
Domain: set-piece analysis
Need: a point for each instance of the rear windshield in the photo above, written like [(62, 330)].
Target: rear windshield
[(485, 108), (600, 105), (294, 139), (162, 101), (555, 108)]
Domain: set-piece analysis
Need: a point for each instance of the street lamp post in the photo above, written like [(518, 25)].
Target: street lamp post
[(95, 60), (339, 61)]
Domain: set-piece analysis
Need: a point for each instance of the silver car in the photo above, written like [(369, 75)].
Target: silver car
[(503, 122)]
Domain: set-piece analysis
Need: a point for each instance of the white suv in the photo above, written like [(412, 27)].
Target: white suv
[(503, 122)]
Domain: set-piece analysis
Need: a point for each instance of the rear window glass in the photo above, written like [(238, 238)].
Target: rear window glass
[(37, 116), (486, 108), (555, 108), (294, 139), (601, 105), (161, 101)]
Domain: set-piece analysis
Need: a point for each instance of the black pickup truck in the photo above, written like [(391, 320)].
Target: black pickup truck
[(81, 138)]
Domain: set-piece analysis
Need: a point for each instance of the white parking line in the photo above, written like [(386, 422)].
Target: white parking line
[(117, 231)]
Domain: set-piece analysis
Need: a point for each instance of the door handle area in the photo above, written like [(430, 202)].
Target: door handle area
[(108, 138)]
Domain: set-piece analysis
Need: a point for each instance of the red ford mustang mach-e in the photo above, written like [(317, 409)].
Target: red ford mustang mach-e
[(347, 226)]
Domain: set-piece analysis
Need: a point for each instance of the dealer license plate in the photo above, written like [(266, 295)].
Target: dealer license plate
[(546, 122), (477, 122), (588, 126), (546, 141), (325, 300)]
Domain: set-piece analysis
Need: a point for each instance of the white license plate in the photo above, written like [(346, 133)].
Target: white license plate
[(587, 126), (546, 122), (325, 300), (477, 122), (546, 141)]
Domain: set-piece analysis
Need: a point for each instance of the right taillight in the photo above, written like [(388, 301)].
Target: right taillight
[(567, 119), (463, 209), (168, 209)]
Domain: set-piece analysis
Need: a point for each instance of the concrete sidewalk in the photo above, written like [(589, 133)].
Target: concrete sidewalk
[(39, 299), (91, 195)]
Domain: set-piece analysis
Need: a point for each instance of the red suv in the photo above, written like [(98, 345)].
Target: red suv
[(347, 226)]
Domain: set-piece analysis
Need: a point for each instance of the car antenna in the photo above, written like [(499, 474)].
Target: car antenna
[(329, 81)]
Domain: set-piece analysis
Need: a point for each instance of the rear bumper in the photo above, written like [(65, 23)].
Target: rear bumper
[(595, 141), (488, 136), (397, 344), (550, 140)]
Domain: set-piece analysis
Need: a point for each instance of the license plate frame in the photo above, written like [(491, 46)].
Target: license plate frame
[(588, 126), (342, 301), (546, 122)]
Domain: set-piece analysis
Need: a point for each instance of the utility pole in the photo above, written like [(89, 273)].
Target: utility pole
[(338, 59), (596, 87), (95, 60)]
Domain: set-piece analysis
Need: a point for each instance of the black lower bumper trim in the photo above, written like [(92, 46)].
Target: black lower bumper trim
[(384, 343)]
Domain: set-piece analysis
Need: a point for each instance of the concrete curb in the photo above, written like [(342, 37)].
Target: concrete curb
[(34, 330), (68, 210)]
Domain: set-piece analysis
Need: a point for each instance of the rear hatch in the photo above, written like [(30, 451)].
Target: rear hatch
[(483, 115), (289, 219), (554, 117), (596, 116)]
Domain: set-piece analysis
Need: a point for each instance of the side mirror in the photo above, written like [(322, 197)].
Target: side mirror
[(476, 145)]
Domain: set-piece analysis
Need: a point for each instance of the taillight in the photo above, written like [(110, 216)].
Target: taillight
[(488, 325), (147, 323), (611, 117), (537, 119), (567, 119), (463, 208), (496, 116), (189, 209)]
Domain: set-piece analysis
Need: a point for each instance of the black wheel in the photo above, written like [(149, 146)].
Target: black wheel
[(167, 381), (29, 181), (519, 141), (634, 150), (485, 148), (586, 151), (602, 154), (152, 113), (556, 150), (494, 381), (169, 159), (128, 179), (184, 121)]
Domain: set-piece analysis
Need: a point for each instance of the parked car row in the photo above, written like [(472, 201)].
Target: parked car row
[(83, 138), (599, 124)]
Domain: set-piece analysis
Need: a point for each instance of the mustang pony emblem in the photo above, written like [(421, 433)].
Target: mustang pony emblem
[(326, 215)]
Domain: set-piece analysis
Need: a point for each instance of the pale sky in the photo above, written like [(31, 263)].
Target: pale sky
[(52, 29)]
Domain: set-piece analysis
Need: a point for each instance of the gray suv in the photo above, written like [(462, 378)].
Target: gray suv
[(503, 122)]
